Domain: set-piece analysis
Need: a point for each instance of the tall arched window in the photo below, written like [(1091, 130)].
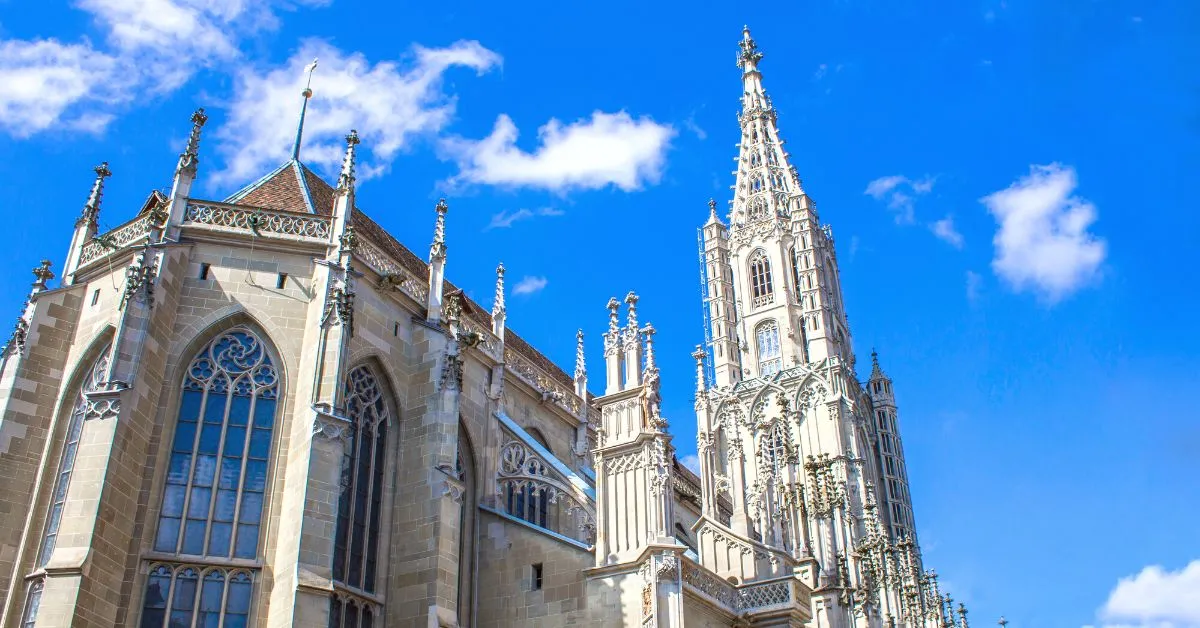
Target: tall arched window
[(356, 543), (93, 380), (769, 359), (761, 288), (217, 475)]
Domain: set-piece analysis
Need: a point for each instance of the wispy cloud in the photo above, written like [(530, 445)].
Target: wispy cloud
[(530, 285), (944, 229), (1042, 240), (690, 124), (1155, 598), (607, 149), (388, 103), (503, 220), (900, 192), (150, 48), (974, 286)]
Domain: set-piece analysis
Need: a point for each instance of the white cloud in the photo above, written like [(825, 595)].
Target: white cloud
[(900, 192), (944, 229), (690, 124), (691, 461), (44, 79), (503, 220), (608, 149), (388, 104), (1155, 598), (153, 47), (530, 285), (1042, 243)]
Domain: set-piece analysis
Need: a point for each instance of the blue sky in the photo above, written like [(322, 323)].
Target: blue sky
[(1010, 184)]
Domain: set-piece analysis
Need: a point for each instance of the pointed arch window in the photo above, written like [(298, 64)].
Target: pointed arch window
[(756, 184), (770, 360), (755, 159), (360, 506), (217, 476), (761, 287), (93, 380)]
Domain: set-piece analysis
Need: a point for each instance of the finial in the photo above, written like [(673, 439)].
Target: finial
[(698, 355), (1003, 622), (749, 56), (498, 308), (962, 615), (631, 300), (438, 248), (649, 331), (307, 93), (91, 210), (613, 321), (42, 274), (580, 366), (346, 179), (191, 153)]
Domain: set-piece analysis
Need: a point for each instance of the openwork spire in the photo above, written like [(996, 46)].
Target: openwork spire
[(307, 93), (580, 366), (498, 307), (437, 250), (346, 178), (190, 156), (91, 210)]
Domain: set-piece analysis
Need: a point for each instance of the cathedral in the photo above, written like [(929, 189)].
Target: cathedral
[(265, 411)]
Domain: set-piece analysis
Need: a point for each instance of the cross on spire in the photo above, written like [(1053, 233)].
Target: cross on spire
[(307, 93)]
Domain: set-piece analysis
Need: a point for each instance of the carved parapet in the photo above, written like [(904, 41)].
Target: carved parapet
[(102, 404), (270, 223), (115, 240), (392, 274), (550, 387)]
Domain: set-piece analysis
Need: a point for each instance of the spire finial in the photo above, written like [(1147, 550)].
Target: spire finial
[(498, 308), (91, 210), (962, 615), (649, 331), (631, 300), (346, 178), (698, 355), (876, 371), (42, 274), (191, 153), (438, 248), (749, 56), (1003, 622), (613, 318), (580, 366), (307, 93)]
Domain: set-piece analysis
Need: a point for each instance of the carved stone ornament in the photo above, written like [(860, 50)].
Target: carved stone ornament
[(139, 278), (453, 489), (102, 404), (668, 567), (452, 372), (331, 427)]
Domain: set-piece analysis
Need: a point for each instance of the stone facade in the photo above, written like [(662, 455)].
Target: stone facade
[(266, 411)]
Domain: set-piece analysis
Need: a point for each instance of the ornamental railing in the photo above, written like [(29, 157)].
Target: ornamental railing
[(755, 597), (392, 273), (549, 387), (259, 222), (105, 244)]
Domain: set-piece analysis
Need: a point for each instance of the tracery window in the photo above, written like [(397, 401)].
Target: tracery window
[(755, 159), (756, 184), (757, 209), (770, 360), (360, 507), (216, 478), (187, 596), (761, 288), (92, 381)]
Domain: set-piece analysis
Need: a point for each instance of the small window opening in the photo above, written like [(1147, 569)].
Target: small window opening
[(396, 329), (96, 296), (204, 271), (281, 281), (537, 576)]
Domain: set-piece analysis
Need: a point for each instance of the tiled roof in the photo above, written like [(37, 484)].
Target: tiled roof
[(294, 187)]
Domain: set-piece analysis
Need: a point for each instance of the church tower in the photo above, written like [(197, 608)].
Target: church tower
[(797, 475)]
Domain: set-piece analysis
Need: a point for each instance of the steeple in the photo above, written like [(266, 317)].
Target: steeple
[(307, 93), (876, 372)]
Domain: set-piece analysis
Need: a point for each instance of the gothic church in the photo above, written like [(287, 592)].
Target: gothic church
[(265, 411)]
